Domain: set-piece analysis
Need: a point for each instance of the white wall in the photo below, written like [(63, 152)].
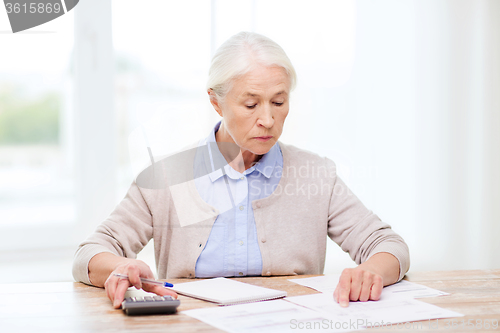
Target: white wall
[(458, 48), (423, 110)]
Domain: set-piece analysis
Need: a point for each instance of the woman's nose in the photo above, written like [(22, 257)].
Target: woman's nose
[(266, 118)]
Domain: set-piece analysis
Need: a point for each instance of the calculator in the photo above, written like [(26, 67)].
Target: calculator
[(145, 305)]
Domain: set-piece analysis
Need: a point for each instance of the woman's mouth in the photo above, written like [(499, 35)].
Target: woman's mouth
[(263, 138)]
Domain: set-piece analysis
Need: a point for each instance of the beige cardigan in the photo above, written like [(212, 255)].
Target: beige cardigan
[(292, 223)]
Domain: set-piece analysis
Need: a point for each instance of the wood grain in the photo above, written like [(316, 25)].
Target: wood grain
[(75, 307)]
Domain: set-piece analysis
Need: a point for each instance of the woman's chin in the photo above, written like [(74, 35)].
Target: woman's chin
[(261, 148)]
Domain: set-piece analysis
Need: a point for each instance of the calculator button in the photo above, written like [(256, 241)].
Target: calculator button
[(129, 299), (149, 305)]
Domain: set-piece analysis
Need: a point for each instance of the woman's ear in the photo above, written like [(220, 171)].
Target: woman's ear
[(215, 101)]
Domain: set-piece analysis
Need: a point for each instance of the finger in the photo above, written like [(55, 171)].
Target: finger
[(110, 286), (159, 290), (336, 294), (376, 290), (108, 293), (121, 289), (356, 283), (366, 287), (344, 288), (134, 276)]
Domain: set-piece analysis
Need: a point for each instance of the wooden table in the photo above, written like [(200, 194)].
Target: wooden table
[(75, 307)]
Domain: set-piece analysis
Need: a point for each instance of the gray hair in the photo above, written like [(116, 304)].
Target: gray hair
[(239, 54)]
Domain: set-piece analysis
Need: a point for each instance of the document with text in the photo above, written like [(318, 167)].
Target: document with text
[(268, 316), (385, 312), (320, 313)]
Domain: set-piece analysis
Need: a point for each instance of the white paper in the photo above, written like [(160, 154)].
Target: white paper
[(328, 283), (409, 289), (269, 316), (324, 283), (384, 312)]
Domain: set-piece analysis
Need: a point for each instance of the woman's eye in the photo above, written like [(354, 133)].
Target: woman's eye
[(251, 106), (278, 104)]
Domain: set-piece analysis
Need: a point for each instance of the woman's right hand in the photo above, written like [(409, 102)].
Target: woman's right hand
[(134, 269), (115, 286)]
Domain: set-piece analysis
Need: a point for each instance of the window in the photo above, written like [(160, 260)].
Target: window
[(37, 188)]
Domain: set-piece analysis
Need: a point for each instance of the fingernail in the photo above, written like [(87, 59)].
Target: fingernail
[(344, 304)]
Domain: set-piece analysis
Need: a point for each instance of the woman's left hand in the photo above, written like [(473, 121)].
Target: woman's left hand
[(358, 284), (366, 281)]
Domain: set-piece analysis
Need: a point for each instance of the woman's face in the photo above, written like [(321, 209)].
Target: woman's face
[(255, 109)]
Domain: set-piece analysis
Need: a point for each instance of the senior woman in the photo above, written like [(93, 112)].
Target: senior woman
[(283, 201)]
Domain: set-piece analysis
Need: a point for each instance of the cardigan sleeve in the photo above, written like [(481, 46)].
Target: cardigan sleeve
[(358, 230), (125, 233)]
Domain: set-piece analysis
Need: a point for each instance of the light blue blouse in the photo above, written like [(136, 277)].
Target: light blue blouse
[(232, 248)]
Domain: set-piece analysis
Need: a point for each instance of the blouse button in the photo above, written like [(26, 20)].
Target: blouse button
[(263, 240)]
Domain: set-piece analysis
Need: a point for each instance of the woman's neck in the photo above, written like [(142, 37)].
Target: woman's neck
[(245, 158)]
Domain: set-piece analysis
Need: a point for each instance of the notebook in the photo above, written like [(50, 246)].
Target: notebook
[(226, 291)]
